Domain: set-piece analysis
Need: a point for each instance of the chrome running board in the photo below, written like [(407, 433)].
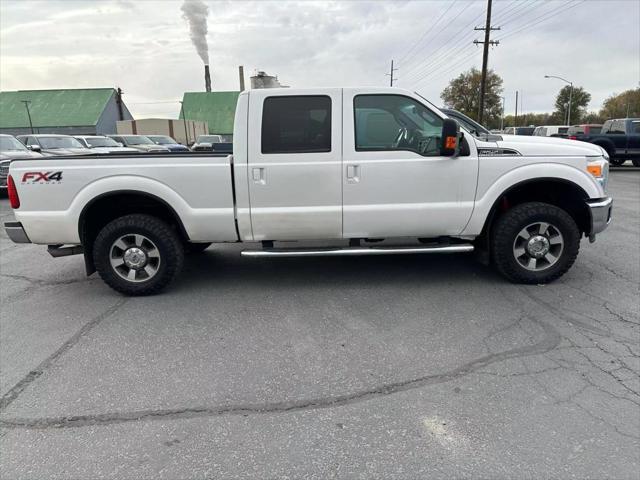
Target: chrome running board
[(326, 252)]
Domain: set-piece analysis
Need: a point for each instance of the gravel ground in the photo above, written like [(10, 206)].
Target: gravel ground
[(364, 367)]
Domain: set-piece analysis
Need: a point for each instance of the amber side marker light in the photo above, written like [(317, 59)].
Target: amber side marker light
[(595, 170), (12, 193), (451, 142)]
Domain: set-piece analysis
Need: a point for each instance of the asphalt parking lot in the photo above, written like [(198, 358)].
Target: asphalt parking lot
[(365, 367)]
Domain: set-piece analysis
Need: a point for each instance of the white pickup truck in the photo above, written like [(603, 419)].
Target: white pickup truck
[(367, 171)]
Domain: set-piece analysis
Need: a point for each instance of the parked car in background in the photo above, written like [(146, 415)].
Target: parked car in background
[(53, 145), (586, 129), (205, 142), (11, 149), (102, 144), (550, 131), (168, 142), (519, 131), (620, 137), (139, 142)]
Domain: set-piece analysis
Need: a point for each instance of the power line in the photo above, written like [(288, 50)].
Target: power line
[(436, 63), (427, 31), (419, 65), (546, 16), (439, 54)]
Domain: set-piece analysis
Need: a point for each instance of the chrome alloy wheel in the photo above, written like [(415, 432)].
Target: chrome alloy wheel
[(538, 246), (135, 258)]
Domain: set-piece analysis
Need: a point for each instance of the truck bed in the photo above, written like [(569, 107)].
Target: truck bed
[(197, 186)]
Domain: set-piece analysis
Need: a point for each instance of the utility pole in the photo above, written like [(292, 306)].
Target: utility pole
[(502, 116), (26, 105), (515, 119), (485, 57), (184, 122), (390, 74)]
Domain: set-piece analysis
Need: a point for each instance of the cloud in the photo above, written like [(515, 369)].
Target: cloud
[(144, 46)]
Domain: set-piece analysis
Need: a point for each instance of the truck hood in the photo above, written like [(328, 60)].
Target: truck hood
[(114, 150), (18, 155), (66, 151), (150, 148), (545, 146)]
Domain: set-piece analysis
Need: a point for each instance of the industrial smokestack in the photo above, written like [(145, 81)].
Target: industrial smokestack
[(241, 75), (207, 79)]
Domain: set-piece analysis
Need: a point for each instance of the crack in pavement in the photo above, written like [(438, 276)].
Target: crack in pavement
[(550, 341), (19, 387), (35, 283)]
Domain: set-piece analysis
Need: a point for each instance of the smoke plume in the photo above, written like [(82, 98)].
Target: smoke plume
[(196, 12)]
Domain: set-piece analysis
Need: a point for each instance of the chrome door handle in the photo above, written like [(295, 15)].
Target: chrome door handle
[(258, 176), (353, 173)]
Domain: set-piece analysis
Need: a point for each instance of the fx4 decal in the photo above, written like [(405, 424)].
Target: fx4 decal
[(40, 177)]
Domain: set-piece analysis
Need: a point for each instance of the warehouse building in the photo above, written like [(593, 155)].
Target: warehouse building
[(216, 108), (83, 111), (184, 132)]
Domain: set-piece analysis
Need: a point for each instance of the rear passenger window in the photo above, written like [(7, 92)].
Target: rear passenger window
[(296, 124)]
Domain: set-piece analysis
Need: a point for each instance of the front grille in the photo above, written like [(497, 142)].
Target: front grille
[(4, 171)]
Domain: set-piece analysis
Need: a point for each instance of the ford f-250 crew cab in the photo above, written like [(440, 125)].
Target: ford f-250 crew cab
[(368, 171)]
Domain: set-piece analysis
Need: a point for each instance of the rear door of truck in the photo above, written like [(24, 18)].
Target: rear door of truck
[(294, 164)]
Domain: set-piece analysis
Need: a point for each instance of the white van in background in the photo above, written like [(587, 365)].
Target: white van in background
[(551, 131)]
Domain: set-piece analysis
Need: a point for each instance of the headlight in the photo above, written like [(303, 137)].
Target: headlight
[(600, 171)]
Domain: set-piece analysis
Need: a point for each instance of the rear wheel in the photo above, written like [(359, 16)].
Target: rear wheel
[(138, 254), (535, 243)]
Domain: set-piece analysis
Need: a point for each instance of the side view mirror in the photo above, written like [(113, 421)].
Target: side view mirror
[(450, 138), (35, 148)]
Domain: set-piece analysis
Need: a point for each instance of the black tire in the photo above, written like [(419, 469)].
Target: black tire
[(611, 151), (194, 248), (170, 253), (507, 229), (636, 162)]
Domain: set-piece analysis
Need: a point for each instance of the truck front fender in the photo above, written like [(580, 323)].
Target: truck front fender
[(493, 187)]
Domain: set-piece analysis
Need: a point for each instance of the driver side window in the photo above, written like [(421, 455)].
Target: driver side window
[(395, 122)]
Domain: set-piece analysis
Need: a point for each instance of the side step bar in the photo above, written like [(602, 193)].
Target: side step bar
[(326, 252)]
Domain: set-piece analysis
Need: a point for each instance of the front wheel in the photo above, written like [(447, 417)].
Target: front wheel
[(535, 243), (138, 254)]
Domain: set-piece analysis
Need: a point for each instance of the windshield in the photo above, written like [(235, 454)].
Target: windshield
[(209, 139), (162, 139), (473, 127), (10, 144), (101, 142), (59, 142), (138, 140)]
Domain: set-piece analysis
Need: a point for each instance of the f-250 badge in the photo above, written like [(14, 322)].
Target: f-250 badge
[(42, 177)]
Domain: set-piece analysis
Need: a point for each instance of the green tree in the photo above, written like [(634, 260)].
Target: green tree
[(463, 94), (579, 101), (625, 104)]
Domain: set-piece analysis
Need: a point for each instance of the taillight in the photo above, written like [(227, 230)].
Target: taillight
[(572, 137), (14, 200)]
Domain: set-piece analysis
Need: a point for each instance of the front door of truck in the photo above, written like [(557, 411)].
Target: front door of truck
[(294, 153), (395, 182)]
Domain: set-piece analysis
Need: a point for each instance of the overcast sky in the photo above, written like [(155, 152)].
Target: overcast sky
[(143, 46)]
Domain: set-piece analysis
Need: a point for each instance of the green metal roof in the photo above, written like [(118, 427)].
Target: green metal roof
[(216, 108), (53, 108)]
